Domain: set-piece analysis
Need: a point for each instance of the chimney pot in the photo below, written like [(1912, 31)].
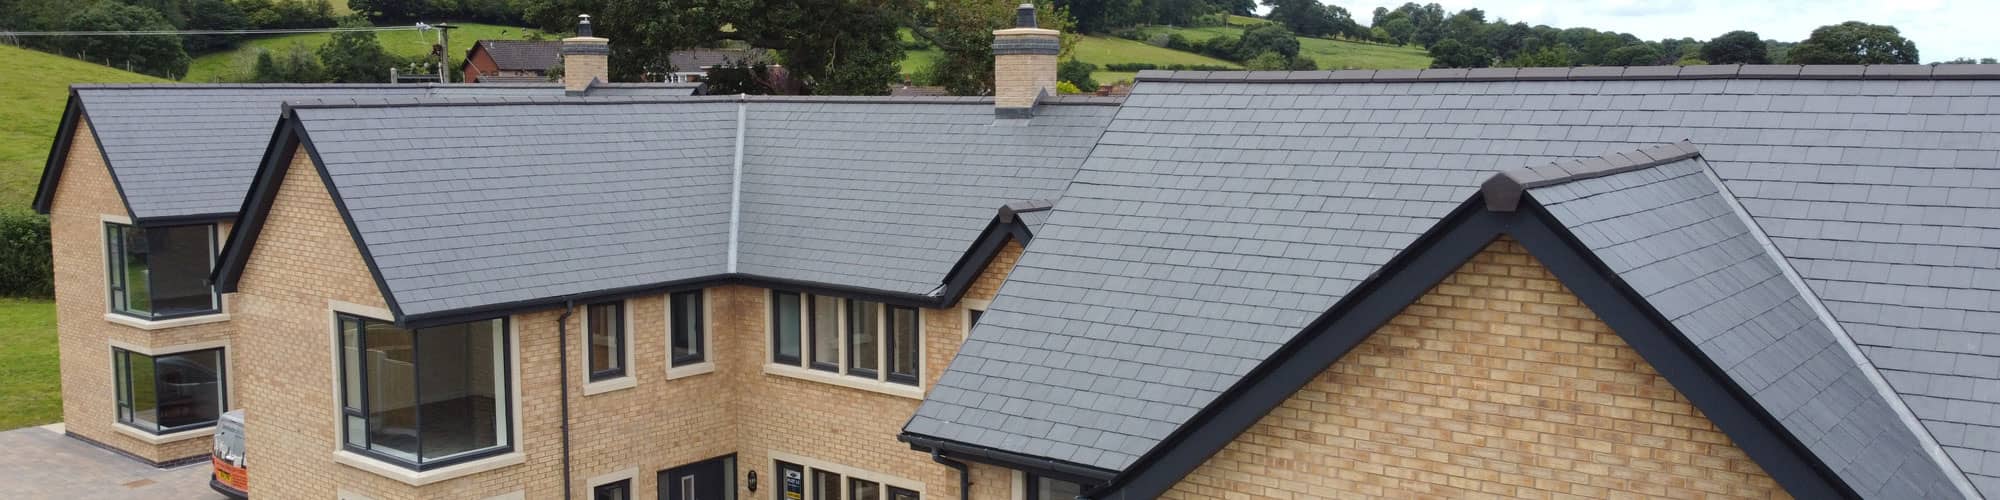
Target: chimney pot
[(1024, 16), (583, 25)]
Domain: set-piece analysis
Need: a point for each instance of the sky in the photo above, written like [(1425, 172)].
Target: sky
[(1942, 29)]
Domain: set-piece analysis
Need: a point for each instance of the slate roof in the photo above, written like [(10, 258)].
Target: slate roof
[(1676, 237), (577, 196), (1219, 213), (694, 60), (190, 150), (523, 55)]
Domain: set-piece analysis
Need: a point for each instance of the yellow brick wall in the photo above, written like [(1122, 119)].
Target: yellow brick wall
[(1019, 78), (657, 425), (84, 194), (1497, 383)]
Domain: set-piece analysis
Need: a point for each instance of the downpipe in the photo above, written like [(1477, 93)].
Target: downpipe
[(562, 362)]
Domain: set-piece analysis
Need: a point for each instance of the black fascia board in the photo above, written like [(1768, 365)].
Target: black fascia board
[(45, 192), (1412, 273), (1067, 471), (988, 245)]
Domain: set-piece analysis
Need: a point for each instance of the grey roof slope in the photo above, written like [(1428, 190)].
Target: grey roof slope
[(523, 55), (1674, 235), (590, 195), (570, 198), (1218, 215), (191, 150), (885, 193)]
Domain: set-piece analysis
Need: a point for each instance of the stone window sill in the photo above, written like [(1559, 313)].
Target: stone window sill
[(674, 372), (877, 386), (145, 324), (414, 478), (591, 388), (159, 439)]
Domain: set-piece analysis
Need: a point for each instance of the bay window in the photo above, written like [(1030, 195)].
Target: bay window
[(427, 397), (160, 272), (171, 392)]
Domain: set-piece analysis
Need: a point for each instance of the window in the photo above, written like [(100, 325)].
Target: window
[(826, 485), (425, 398), (862, 489), (169, 393), (864, 322), (862, 339), (972, 318), (826, 333), (1044, 488), (619, 490), (688, 331), (792, 482), (903, 494), (905, 352), (785, 325), (606, 327), (160, 272)]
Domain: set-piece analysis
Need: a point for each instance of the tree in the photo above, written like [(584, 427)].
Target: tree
[(1855, 42), (1554, 56), (1314, 19), (213, 15), (1456, 54), (1237, 7), (391, 10), (1267, 38), (1638, 54), (296, 64), (1077, 73), (355, 56), (153, 55), (1273, 61), (1400, 30), (1736, 47), (963, 31)]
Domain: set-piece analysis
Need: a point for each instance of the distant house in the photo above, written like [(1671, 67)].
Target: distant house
[(518, 61)]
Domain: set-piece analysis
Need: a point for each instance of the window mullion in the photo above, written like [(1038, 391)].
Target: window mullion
[(417, 392), (361, 364), (882, 362)]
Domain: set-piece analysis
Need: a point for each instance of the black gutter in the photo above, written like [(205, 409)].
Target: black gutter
[(964, 473), (562, 363), (1067, 471), (176, 220)]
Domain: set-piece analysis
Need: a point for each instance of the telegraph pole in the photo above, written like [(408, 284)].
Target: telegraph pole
[(444, 52)]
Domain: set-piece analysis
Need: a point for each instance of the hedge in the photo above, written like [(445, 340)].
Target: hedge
[(24, 255), (1135, 67)]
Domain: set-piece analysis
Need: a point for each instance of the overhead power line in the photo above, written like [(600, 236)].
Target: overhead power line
[(287, 31)]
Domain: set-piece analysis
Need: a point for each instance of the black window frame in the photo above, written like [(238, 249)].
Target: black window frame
[(699, 340), (805, 479), (1033, 484), (854, 485), (623, 485), (890, 492), (618, 354), (121, 387), (777, 331), (118, 289), (889, 345), (361, 410), (812, 339), (813, 474), (847, 342)]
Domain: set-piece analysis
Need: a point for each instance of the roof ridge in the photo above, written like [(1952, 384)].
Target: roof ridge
[(1597, 73), (1503, 190)]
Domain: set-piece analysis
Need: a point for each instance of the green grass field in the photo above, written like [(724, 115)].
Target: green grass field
[(1329, 54), (220, 66), (32, 92), (1099, 50), (30, 383)]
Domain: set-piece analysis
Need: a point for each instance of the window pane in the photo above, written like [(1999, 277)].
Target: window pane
[(607, 342), (687, 328), (114, 261), (145, 402), (123, 374), (133, 258), (621, 490), (791, 482), (905, 351), (391, 366), (461, 384), (179, 267), (189, 389), (785, 327), (350, 362), (902, 494), (972, 319), (826, 333), (863, 324), (863, 490), (1054, 489), (826, 485)]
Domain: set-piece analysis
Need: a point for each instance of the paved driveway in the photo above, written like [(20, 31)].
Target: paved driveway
[(40, 462)]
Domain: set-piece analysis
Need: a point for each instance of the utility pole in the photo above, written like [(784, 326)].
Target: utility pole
[(444, 52)]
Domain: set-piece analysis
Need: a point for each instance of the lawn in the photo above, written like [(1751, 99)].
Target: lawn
[(1329, 54), (1099, 50), (30, 383), (221, 66), (32, 92)]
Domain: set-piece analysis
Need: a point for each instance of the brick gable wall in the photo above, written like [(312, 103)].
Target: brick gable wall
[(1498, 383)]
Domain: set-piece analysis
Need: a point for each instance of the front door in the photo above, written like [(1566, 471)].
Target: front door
[(712, 479)]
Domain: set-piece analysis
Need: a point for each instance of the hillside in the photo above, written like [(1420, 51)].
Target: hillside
[(1329, 54), (32, 92), (214, 66), (1099, 50)]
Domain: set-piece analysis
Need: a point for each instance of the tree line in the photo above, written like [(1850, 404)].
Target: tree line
[(163, 56)]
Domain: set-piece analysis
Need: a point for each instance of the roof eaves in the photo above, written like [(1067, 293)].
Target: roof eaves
[(1503, 191)]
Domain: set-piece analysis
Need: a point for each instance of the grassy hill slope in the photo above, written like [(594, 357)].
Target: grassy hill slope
[(1330, 54), (215, 66), (32, 92), (1099, 50)]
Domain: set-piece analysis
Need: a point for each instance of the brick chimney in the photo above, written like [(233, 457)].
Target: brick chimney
[(1024, 64), (585, 58)]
